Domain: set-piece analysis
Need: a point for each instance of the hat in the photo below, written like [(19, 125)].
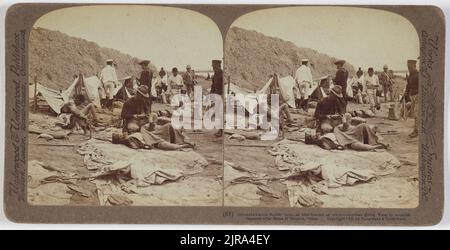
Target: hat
[(323, 78), (188, 66), (143, 90), (412, 62), (340, 62), (337, 91), (127, 78), (385, 67), (305, 60), (216, 62), (144, 62), (109, 60)]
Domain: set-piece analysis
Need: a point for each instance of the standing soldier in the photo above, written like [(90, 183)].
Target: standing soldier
[(162, 72), (146, 80), (341, 79), (372, 85), (217, 84), (108, 77), (387, 81), (303, 80), (412, 90), (189, 79)]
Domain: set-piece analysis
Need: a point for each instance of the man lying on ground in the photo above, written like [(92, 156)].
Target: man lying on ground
[(361, 137), (147, 131), (157, 133), (335, 128)]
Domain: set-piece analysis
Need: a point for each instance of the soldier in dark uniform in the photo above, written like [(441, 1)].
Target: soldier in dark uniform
[(146, 80), (162, 72), (135, 111), (329, 111), (360, 72), (341, 79), (217, 84), (412, 91), (217, 79)]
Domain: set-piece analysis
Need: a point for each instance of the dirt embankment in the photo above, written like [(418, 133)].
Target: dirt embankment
[(250, 57), (56, 57)]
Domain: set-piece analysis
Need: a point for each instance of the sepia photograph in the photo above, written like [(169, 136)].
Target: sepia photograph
[(104, 83), (347, 112), (224, 114)]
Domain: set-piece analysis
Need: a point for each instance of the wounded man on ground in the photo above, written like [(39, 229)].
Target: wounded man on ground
[(334, 129), (142, 130), (78, 113)]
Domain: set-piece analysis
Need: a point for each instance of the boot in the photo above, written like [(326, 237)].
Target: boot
[(110, 104), (305, 105), (103, 103), (300, 103)]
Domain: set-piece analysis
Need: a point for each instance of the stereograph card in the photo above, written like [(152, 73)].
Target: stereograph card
[(224, 114)]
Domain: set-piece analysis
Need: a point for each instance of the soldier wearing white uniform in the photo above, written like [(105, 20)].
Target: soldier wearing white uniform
[(372, 85), (303, 80), (108, 77)]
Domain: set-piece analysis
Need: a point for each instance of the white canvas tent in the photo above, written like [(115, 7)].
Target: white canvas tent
[(286, 85), (56, 99)]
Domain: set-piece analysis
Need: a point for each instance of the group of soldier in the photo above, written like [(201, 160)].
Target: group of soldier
[(365, 89), (136, 95)]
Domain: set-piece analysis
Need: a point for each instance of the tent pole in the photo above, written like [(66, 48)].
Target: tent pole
[(228, 90), (35, 93)]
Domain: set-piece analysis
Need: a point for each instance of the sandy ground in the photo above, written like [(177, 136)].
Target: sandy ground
[(406, 150), (66, 157), (254, 158)]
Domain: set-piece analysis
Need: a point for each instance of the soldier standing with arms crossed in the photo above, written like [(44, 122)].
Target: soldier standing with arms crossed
[(412, 90)]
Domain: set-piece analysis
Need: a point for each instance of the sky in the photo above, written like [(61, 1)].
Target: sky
[(363, 37), (169, 37)]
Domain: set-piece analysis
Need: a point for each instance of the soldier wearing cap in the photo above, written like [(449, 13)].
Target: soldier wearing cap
[(386, 79), (341, 78), (372, 85), (146, 79), (412, 90), (217, 84), (135, 111), (303, 80), (189, 80), (175, 83), (108, 77)]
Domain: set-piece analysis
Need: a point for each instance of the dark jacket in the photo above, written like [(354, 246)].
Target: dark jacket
[(316, 95), (146, 79), (217, 83), (133, 106), (328, 106), (341, 79), (412, 86)]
